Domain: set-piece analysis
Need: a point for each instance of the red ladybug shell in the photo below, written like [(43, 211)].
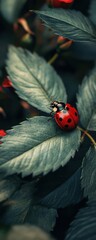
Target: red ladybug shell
[(68, 118)]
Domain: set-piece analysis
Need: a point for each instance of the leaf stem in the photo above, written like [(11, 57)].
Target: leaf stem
[(52, 60), (88, 135)]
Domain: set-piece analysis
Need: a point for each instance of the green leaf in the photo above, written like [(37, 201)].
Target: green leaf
[(92, 123), (34, 79), (42, 216), (69, 23), (18, 204), (8, 186), (22, 209), (84, 225), (88, 175), (66, 194), (27, 232), (92, 11), (86, 100), (10, 9), (37, 146)]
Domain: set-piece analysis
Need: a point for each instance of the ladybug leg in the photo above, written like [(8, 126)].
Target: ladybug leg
[(62, 103)]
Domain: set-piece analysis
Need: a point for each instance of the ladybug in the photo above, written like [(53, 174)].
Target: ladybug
[(65, 115), (60, 3)]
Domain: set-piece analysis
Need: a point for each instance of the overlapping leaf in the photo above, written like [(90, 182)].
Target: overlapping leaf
[(86, 100), (21, 209), (37, 146), (34, 79), (92, 11), (18, 204), (84, 225), (88, 176), (70, 24), (8, 186), (42, 217), (10, 9), (67, 194)]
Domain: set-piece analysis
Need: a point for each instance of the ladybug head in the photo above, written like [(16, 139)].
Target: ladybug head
[(57, 106)]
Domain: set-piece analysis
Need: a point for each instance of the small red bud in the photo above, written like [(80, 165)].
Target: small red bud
[(6, 83), (2, 134)]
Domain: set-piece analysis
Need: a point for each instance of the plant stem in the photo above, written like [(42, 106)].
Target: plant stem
[(52, 60), (88, 135)]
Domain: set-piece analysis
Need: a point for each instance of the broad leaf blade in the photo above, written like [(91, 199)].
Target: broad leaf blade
[(86, 100), (21, 209), (38, 148), (69, 23), (88, 176), (34, 79), (10, 9), (67, 194), (84, 225)]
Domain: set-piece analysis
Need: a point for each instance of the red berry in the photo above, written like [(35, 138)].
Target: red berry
[(65, 115)]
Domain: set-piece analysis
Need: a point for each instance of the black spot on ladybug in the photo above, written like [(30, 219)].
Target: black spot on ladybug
[(60, 119), (67, 108), (66, 126), (69, 120), (76, 114)]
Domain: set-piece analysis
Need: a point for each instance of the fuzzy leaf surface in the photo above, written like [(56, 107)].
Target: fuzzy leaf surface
[(69, 23), (88, 175), (34, 79), (10, 9), (21, 209), (37, 146), (84, 225), (68, 193), (86, 100)]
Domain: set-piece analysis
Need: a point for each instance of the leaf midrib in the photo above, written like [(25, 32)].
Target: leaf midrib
[(12, 159), (39, 83)]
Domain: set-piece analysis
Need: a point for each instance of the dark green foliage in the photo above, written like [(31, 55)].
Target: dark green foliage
[(36, 150)]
